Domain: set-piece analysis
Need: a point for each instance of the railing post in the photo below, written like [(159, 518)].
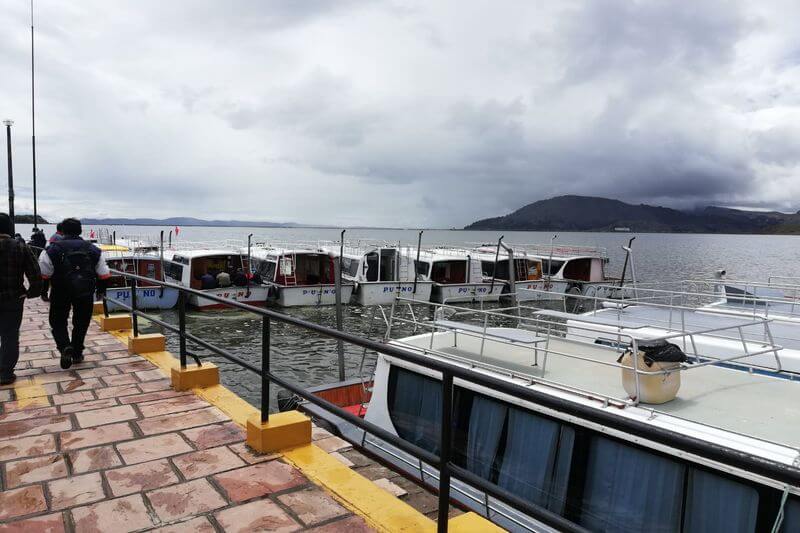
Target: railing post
[(445, 452), (133, 309), (182, 326), (105, 303), (265, 323)]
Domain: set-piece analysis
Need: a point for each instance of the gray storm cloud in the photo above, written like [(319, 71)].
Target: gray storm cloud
[(401, 113)]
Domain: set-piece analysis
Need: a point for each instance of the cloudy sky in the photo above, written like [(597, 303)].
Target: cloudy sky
[(401, 113)]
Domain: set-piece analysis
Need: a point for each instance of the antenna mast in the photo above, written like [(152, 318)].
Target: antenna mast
[(33, 130)]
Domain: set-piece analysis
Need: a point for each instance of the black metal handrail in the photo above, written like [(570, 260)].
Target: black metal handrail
[(722, 454)]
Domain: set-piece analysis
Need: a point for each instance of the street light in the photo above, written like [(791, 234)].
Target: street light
[(8, 124)]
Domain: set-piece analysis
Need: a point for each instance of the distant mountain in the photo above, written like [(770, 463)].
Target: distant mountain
[(586, 213), (28, 219), (184, 221)]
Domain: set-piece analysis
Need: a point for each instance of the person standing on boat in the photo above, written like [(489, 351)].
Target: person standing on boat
[(16, 261), (76, 269)]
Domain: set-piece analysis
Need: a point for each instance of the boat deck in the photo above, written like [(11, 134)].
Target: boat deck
[(761, 406)]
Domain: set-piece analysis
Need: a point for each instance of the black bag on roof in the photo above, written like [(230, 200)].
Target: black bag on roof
[(660, 351)]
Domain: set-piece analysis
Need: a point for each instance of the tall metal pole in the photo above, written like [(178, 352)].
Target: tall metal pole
[(33, 131), (338, 287), (8, 124)]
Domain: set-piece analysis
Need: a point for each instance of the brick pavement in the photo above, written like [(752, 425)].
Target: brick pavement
[(108, 445)]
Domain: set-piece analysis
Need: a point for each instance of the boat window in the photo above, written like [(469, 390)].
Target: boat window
[(533, 476), (449, 272), (372, 266), (350, 266), (173, 270), (180, 259), (265, 269), (628, 489), (415, 407), (719, 504), (551, 268), (388, 264), (486, 422), (579, 269), (487, 268), (421, 267), (151, 270)]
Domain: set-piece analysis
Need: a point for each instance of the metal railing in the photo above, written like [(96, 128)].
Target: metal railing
[(448, 371)]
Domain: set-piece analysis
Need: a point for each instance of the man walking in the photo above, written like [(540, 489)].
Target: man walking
[(16, 261), (75, 269)]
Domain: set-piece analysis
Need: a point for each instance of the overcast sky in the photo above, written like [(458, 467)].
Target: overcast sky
[(401, 113)]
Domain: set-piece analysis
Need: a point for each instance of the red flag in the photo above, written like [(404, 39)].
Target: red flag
[(91, 234), (177, 230)]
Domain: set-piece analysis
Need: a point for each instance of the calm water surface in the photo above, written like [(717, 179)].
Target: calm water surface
[(309, 359)]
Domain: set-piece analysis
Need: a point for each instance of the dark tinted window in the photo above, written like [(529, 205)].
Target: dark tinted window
[(415, 407), (173, 270)]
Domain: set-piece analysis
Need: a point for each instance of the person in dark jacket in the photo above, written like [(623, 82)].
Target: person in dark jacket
[(16, 261), (76, 269), (38, 240)]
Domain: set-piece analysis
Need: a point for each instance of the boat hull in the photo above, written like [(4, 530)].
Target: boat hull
[(256, 295), (146, 298), (466, 292), (311, 295), (540, 290), (385, 292)]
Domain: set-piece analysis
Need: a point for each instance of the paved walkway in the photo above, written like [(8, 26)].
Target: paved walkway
[(109, 446)]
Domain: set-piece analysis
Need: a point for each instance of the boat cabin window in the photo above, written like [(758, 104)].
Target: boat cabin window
[(305, 269), (388, 266), (452, 271), (213, 266), (551, 268), (415, 407), (579, 269), (173, 270), (529, 270), (422, 267), (372, 266), (600, 482), (350, 266), (265, 269)]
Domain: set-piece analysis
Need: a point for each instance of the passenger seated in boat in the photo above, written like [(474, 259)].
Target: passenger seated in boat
[(224, 279), (207, 281), (239, 278)]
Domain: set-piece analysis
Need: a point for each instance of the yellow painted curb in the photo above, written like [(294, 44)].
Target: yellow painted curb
[(379, 508), (469, 522)]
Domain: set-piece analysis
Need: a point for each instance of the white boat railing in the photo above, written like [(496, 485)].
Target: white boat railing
[(552, 324), (233, 245)]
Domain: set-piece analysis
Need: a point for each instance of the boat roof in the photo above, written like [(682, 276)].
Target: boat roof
[(270, 253), (717, 401), (194, 254)]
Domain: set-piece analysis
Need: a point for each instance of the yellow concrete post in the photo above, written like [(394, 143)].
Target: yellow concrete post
[(115, 322), (194, 376), (284, 430), (147, 342)]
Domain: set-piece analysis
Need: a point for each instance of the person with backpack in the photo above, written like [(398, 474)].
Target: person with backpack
[(76, 269), (16, 262)]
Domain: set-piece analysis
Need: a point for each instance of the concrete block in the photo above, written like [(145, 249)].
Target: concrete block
[(284, 430), (98, 308), (195, 376), (148, 342), (115, 322)]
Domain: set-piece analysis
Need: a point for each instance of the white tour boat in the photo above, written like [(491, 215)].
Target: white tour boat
[(631, 434), (455, 273), (381, 273), (215, 271), (530, 283), (298, 276), (148, 295)]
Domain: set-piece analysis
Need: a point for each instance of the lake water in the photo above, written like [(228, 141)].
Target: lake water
[(311, 360)]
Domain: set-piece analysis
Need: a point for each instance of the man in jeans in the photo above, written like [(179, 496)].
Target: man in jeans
[(16, 260), (75, 269)]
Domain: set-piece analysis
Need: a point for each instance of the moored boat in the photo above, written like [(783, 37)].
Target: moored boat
[(148, 295), (455, 273), (381, 273), (218, 272), (299, 276)]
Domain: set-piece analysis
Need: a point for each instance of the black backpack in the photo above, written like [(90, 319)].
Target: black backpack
[(78, 273)]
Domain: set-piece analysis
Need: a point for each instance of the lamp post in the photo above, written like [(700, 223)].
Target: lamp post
[(8, 124)]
